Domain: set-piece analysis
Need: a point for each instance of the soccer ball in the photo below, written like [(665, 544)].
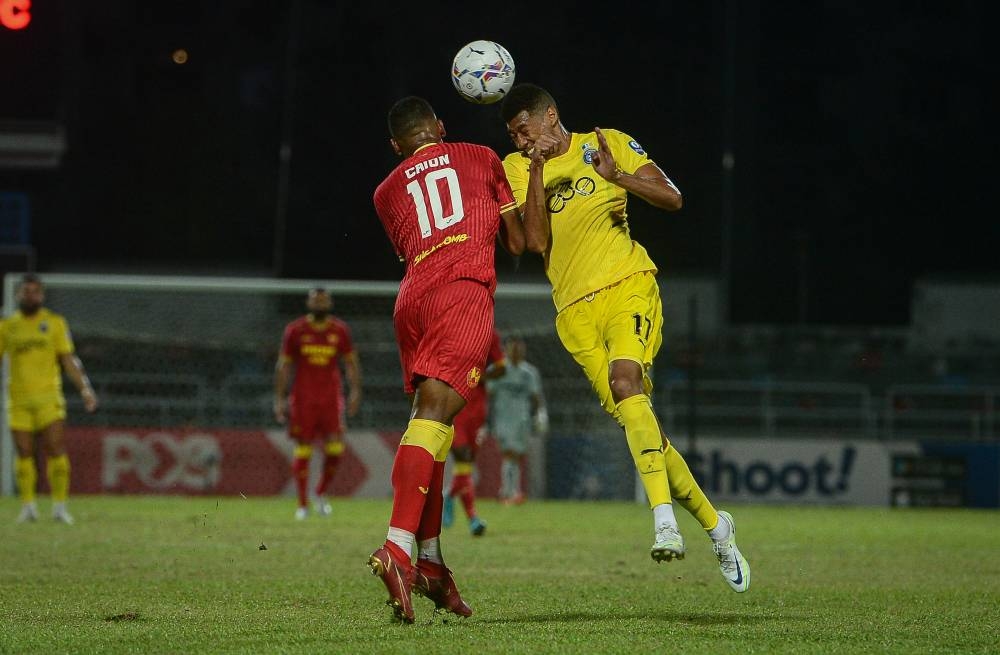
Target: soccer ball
[(483, 72)]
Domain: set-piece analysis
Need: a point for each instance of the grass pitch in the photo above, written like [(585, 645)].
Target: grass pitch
[(231, 575)]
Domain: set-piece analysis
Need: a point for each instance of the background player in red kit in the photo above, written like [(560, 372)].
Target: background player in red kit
[(468, 423), (313, 347), (442, 208)]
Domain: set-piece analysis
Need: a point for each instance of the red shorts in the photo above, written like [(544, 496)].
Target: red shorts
[(446, 335), (313, 421), (468, 421)]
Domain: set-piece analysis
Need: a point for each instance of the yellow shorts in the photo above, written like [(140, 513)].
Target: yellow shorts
[(623, 321), (36, 414)]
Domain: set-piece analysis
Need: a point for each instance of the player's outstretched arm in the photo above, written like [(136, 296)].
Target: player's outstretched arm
[(512, 232), (352, 365), (282, 374), (74, 370), (648, 182)]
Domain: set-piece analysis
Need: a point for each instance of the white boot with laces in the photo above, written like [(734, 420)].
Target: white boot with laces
[(735, 569)]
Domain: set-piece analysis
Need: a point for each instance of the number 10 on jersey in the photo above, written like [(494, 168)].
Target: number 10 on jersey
[(432, 197)]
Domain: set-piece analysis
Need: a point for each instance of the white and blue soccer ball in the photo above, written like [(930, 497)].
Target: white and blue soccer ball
[(483, 72)]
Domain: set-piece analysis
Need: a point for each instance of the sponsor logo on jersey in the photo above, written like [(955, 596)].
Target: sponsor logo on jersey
[(318, 354), (447, 241), (634, 145), (566, 190), (30, 344)]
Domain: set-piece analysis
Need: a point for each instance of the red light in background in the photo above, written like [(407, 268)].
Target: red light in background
[(14, 14)]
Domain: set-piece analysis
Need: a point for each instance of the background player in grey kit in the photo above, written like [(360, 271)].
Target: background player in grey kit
[(518, 409)]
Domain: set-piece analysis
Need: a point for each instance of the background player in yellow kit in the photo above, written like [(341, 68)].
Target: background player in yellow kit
[(572, 189), (39, 344)]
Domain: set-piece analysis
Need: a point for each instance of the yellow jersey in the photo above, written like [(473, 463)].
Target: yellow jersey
[(591, 246), (34, 344)]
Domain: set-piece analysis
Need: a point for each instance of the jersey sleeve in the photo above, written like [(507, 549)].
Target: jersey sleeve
[(288, 344), (3, 340), (515, 166), (629, 155), (62, 340), (505, 196)]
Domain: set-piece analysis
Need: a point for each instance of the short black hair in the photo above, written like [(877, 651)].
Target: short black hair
[(29, 278), (408, 114), (525, 97)]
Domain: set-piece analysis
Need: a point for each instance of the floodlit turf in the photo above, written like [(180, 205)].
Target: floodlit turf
[(192, 575)]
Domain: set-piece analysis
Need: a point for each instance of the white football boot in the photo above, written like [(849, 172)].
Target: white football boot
[(669, 544), (322, 507), (733, 565), (60, 514), (301, 513), (29, 513)]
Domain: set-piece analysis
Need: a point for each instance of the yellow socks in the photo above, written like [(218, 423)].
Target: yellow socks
[(27, 478), (643, 435), (685, 490), (57, 469)]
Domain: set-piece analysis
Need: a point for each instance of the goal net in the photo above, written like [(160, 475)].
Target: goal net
[(184, 367)]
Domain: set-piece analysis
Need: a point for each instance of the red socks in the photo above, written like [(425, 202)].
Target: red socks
[(300, 472), (412, 474), (329, 468), (463, 489), (430, 520)]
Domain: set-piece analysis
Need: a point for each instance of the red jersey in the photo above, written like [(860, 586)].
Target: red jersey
[(441, 209), (316, 349)]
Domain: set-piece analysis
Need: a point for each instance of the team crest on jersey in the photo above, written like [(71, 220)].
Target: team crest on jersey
[(588, 153), (331, 338), (634, 145), (306, 338), (43, 327), (473, 377)]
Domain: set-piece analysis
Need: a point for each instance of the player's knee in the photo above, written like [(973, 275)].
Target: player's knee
[(435, 401), (53, 448), (625, 386), (625, 379)]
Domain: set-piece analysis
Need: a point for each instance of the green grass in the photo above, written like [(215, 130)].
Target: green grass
[(187, 575)]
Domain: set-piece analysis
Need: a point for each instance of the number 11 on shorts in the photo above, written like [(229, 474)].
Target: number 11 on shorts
[(639, 321)]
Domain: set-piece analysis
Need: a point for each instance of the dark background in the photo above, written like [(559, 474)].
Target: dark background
[(862, 133)]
